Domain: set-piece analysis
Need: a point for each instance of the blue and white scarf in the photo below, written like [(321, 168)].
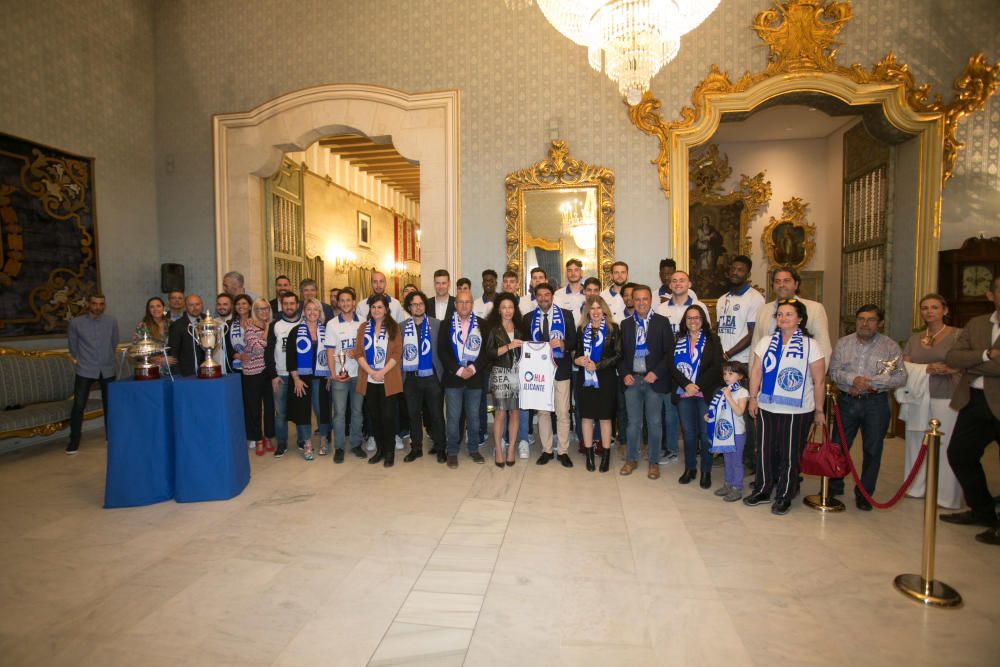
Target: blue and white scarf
[(417, 349), (376, 350), (557, 328), (722, 423), (237, 342), (785, 369), (688, 359), (304, 361), (466, 350), (592, 350), (641, 324)]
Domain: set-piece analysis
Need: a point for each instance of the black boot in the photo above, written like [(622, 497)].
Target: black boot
[(379, 454), (590, 459), (706, 479), (390, 458), (605, 460), (415, 453)]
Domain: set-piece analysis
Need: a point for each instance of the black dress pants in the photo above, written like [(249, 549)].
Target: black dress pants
[(975, 429), (381, 413), (424, 403), (258, 401)]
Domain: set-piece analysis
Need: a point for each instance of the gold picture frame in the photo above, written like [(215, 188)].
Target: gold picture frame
[(789, 240)]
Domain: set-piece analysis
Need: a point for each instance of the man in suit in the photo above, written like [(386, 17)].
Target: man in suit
[(186, 354), (543, 324), (442, 306), (422, 387), (281, 285), (310, 290), (466, 371), (647, 357), (977, 399)]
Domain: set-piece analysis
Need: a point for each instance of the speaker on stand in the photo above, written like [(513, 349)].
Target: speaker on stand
[(171, 278)]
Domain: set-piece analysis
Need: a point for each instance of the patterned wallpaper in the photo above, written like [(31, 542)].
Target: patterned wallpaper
[(79, 76), (517, 76)]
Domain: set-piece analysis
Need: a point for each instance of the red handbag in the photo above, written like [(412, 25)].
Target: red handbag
[(823, 458)]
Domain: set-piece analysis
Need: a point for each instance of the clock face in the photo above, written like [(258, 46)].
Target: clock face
[(976, 280)]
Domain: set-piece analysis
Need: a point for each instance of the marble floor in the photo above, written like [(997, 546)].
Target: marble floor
[(322, 564)]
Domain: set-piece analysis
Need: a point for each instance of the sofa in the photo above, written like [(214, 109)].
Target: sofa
[(36, 393)]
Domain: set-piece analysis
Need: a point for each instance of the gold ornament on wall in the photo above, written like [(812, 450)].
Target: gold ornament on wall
[(789, 240), (800, 35)]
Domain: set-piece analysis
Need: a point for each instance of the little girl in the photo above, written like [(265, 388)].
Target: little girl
[(726, 428)]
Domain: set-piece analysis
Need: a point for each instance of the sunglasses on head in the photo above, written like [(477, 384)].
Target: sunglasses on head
[(787, 301)]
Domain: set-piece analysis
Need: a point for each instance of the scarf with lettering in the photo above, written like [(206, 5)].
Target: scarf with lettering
[(641, 324), (236, 341), (722, 423), (417, 349), (304, 361), (687, 359), (592, 347), (557, 328), (466, 349), (376, 349), (785, 368)]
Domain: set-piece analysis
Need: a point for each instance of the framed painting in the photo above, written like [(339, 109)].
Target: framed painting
[(364, 230), (790, 240)]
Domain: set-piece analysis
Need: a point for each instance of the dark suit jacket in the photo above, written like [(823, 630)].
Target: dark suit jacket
[(182, 347), (564, 365), (435, 326), (450, 364), (432, 308), (659, 342), (709, 377), (967, 354)]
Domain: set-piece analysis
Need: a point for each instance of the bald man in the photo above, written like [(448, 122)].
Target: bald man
[(185, 353)]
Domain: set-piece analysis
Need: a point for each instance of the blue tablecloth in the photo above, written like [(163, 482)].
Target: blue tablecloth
[(140, 443), (211, 460)]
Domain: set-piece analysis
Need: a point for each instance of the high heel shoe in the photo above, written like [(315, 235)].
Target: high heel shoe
[(268, 445), (590, 459), (605, 460), (511, 461), (260, 448)]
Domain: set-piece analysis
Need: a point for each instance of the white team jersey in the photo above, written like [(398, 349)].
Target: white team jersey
[(342, 336), (537, 377), (571, 301), (675, 313), (734, 313), (663, 293), (282, 330), (395, 309), (481, 308), (818, 325), (526, 304), (616, 303)]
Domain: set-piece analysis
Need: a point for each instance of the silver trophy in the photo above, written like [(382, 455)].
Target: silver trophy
[(207, 334), (140, 352), (887, 366), (340, 363)]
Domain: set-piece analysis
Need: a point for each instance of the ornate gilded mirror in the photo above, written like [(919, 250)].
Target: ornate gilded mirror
[(802, 70), (557, 209)]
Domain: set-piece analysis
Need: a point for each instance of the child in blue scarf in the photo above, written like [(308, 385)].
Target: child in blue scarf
[(726, 428)]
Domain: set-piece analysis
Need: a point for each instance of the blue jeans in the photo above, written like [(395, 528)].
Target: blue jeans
[(342, 393), (868, 413), (459, 401), (303, 432), (641, 401), (280, 410), (692, 411)]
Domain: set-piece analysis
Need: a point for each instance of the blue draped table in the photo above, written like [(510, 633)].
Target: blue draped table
[(211, 460), (140, 443)]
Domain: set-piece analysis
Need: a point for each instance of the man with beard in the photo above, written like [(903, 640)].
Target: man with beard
[(612, 295), (571, 297)]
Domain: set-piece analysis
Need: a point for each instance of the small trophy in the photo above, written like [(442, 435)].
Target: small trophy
[(208, 334), (887, 366), (140, 351), (340, 359)]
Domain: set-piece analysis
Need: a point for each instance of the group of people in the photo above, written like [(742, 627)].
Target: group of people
[(629, 362)]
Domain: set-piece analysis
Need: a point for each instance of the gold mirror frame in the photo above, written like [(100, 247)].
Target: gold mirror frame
[(561, 170), (793, 212), (801, 37)]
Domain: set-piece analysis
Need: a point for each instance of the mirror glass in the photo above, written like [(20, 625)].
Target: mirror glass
[(560, 224)]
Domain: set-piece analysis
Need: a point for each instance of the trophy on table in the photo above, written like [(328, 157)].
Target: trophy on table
[(207, 334), (140, 352)]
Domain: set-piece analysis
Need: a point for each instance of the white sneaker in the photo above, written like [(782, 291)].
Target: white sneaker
[(370, 445), (523, 449), (399, 442)]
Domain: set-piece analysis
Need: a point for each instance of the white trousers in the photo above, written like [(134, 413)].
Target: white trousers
[(949, 491)]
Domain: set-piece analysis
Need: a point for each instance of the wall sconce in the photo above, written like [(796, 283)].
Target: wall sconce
[(342, 260)]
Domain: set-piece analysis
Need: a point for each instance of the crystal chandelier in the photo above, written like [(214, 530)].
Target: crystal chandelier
[(580, 220), (630, 40)]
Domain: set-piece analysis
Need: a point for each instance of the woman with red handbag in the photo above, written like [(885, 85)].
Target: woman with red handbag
[(785, 380)]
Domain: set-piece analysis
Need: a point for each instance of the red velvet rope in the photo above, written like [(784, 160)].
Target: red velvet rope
[(854, 473)]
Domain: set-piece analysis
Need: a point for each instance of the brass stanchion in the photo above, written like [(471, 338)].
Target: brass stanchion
[(823, 502), (923, 587)]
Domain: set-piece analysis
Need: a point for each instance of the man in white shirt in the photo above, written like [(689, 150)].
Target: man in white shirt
[(571, 296), (785, 284), (527, 302), (736, 311), (442, 306), (484, 304), (612, 295), (680, 298), (667, 268), (341, 337), (378, 287)]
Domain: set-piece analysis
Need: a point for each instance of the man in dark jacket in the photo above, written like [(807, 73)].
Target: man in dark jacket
[(186, 354), (422, 388), (645, 369), (557, 326), (460, 347)]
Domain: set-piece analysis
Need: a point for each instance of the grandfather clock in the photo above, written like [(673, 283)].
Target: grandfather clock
[(964, 276)]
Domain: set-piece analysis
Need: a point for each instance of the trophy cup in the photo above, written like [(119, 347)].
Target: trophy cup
[(140, 351), (887, 366), (208, 333), (340, 363)]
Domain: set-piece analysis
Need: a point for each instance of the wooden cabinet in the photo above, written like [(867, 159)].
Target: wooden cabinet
[(964, 276)]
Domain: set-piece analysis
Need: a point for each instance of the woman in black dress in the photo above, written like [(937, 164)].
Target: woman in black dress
[(598, 349)]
